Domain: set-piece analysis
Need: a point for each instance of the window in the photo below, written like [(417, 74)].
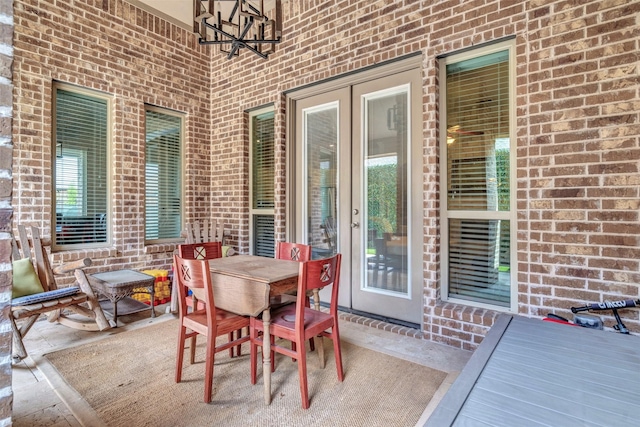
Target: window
[(80, 172), (478, 208), (261, 191), (163, 175)]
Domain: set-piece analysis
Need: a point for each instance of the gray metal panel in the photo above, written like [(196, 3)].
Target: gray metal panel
[(448, 408), (542, 373)]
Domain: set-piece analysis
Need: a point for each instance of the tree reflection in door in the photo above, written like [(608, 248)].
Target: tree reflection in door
[(385, 188)]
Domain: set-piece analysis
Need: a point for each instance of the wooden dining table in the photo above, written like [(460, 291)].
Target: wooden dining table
[(243, 284)]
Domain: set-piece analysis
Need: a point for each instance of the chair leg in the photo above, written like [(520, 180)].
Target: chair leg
[(273, 354), (337, 351), (321, 352), (180, 353), (19, 352), (302, 373), (238, 348), (192, 349), (92, 301), (208, 372), (231, 348), (307, 301)]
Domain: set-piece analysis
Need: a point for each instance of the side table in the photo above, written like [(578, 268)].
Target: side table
[(118, 285)]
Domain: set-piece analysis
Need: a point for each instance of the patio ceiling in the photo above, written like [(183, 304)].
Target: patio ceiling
[(180, 12)]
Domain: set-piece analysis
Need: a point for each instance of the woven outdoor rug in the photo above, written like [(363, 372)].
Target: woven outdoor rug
[(128, 380)]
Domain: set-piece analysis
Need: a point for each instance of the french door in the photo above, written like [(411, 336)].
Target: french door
[(358, 190)]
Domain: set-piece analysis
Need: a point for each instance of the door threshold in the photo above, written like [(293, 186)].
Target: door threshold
[(379, 322)]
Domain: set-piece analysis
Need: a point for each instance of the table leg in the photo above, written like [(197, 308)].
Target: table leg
[(266, 355), (152, 291), (115, 312)]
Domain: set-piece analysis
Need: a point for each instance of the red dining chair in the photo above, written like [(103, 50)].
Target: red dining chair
[(206, 250), (298, 323), (293, 252), (209, 321)]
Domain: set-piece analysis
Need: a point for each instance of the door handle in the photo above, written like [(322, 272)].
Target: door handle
[(355, 225)]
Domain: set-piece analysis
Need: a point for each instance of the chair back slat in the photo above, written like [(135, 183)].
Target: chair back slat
[(24, 242), (204, 231), (33, 248), (217, 232), (15, 250), (45, 273), (207, 250), (205, 234), (293, 251), (317, 274)]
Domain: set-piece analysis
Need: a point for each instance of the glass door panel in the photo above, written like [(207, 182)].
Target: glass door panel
[(386, 212), (321, 142), (323, 184), (385, 190)]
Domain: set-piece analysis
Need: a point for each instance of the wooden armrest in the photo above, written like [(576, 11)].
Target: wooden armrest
[(72, 266)]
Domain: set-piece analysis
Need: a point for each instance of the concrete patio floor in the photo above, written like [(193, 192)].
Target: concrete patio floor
[(37, 402)]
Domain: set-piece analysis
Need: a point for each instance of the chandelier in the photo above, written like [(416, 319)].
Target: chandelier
[(239, 24)]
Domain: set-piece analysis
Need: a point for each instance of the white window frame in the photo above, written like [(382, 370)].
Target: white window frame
[(109, 120), (511, 215)]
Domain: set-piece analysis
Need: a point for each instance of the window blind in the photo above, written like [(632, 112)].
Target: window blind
[(477, 124), (163, 174), (477, 127), (263, 242), (263, 161), (474, 261), (81, 194), (262, 183)]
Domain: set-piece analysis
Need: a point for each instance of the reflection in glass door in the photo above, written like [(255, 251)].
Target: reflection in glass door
[(321, 142), (385, 190)]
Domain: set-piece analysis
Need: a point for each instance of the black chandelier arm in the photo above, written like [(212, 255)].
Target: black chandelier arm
[(232, 37), (244, 37), (237, 45)]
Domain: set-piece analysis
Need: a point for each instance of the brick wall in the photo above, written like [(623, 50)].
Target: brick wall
[(577, 125), (136, 58), (577, 132), (6, 159)]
